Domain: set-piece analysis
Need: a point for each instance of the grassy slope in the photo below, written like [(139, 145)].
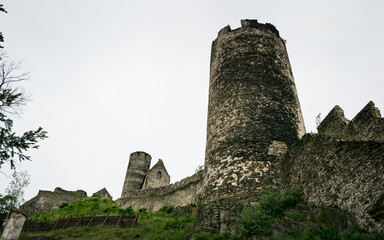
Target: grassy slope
[(157, 225), (85, 207), (165, 224)]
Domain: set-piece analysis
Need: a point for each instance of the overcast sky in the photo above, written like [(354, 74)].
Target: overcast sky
[(113, 77)]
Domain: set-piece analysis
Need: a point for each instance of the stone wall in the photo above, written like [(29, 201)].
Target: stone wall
[(182, 193), (366, 125), (46, 201), (337, 173), (138, 166), (253, 107), (157, 176)]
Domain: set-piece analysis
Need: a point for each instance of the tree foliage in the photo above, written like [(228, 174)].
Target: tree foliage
[(14, 194), (15, 189), (1, 34), (12, 98)]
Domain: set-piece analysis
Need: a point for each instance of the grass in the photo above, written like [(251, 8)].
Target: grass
[(257, 219), (269, 209), (85, 207), (158, 225), (164, 224)]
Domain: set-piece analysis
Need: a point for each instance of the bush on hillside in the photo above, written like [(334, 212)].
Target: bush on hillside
[(84, 207)]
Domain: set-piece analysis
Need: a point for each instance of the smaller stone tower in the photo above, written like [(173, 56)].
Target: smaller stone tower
[(139, 163)]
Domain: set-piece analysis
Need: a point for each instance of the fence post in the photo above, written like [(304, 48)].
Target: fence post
[(134, 221), (54, 226), (91, 220), (118, 222), (105, 220), (78, 221), (66, 223)]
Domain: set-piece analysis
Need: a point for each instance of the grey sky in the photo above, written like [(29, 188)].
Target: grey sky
[(113, 77)]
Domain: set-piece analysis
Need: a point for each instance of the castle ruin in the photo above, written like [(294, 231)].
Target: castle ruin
[(256, 137)]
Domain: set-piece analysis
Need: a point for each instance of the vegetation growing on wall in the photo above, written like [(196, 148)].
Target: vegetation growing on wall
[(270, 212), (257, 219), (261, 218), (164, 224), (85, 207)]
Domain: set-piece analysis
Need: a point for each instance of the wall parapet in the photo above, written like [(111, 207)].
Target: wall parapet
[(337, 173), (180, 193), (252, 23), (46, 201), (367, 125)]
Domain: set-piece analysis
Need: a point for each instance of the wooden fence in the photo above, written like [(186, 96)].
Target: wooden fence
[(117, 221)]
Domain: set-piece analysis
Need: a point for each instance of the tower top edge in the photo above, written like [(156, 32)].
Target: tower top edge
[(251, 23), (140, 153)]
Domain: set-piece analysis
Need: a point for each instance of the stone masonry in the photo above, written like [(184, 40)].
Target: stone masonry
[(139, 163), (46, 201), (255, 138), (343, 167), (253, 110)]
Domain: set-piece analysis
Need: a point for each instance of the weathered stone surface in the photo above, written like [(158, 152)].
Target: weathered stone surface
[(252, 105), (157, 176), (138, 166), (14, 225), (182, 193), (220, 215), (46, 201), (367, 125), (337, 173), (334, 123), (102, 193), (377, 211)]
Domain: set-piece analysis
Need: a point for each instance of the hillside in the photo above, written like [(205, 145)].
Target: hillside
[(274, 215)]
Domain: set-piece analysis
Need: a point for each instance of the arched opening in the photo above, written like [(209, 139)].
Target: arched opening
[(158, 175)]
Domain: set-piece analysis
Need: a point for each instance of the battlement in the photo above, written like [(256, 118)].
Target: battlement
[(251, 23), (138, 153), (367, 125)]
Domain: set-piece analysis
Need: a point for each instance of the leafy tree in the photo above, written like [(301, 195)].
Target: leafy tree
[(12, 98), (5, 206), (14, 193), (15, 189)]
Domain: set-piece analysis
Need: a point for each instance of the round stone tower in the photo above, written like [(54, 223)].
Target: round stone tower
[(139, 163), (253, 113)]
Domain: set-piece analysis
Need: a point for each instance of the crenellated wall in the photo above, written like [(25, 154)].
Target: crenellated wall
[(343, 167), (184, 192), (365, 126)]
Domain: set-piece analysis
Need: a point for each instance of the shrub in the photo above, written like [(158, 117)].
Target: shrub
[(128, 211), (254, 221), (167, 209), (270, 205), (142, 210), (63, 205), (84, 207)]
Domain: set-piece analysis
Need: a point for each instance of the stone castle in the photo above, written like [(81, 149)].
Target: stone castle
[(256, 137)]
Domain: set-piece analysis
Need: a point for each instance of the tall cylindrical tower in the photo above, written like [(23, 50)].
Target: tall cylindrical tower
[(139, 163), (253, 112)]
